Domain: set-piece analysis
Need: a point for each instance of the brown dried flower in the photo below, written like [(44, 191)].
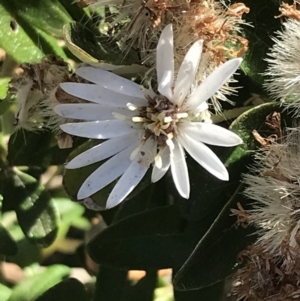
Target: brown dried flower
[(266, 277), (37, 91)]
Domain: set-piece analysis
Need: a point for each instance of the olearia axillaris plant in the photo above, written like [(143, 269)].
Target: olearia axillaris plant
[(149, 148)]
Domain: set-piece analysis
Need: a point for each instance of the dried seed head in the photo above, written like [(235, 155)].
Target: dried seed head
[(271, 270), (37, 92), (267, 277), (219, 27), (283, 72), (274, 185), (32, 87)]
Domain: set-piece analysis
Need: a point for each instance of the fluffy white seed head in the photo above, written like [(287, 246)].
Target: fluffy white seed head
[(274, 185), (283, 72)]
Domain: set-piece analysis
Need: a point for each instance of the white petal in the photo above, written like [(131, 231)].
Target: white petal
[(213, 83), (110, 81), (90, 111), (130, 179), (98, 129), (101, 95), (165, 85), (186, 73), (103, 150), (134, 174), (204, 156), (158, 173), (179, 170), (210, 133), (202, 107), (165, 53), (148, 152), (106, 173)]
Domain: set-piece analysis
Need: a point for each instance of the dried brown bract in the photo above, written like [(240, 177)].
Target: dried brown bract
[(289, 11), (267, 278)]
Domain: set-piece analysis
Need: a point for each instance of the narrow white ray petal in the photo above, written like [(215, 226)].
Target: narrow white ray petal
[(103, 150), (165, 53), (213, 83), (165, 85), (106, 173), (130, 179), (99, 129), (110, 81), (202, 107), (179, 170), (210, 133), (90, 111), (148, 152), (101, 95), (204, 156), (186, 73), (158, 173)]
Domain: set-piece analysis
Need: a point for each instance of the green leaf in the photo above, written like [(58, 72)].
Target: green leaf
[(144, 289), (92, 47), (22, 41), (36, 211), (28, 253), (68, 290), (8, 246), (215, 256), (4, 81), (261, 16), (48, 16), (24, 148), (37, 149), (32, 287), (155, 195), (68, 210), (149, 240), (111, 284), (77, 14), (23, 48), (211, 293), (5, 292), (5, 104)]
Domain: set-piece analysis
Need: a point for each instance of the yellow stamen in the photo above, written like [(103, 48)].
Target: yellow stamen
[(182, 115), (131, 106), (137, 119), (168, 119)]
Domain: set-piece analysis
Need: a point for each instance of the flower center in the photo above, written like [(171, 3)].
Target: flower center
[(159, 118)]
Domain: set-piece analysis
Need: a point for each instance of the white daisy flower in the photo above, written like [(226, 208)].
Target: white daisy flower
[(144, 127)]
